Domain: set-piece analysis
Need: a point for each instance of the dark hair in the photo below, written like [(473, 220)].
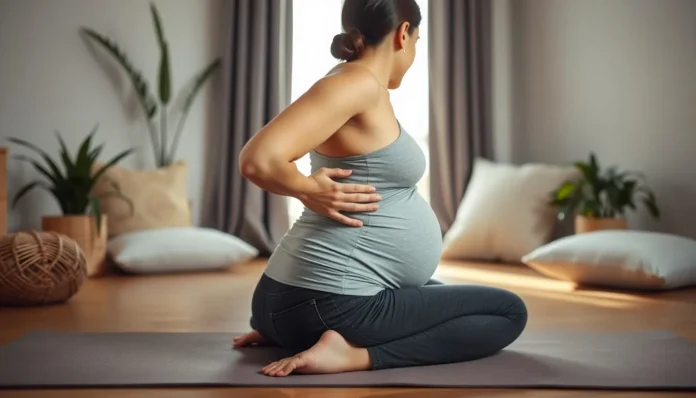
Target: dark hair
[(367, 22)]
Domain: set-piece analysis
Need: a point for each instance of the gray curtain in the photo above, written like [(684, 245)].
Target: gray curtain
[(258, 89), (460, 98)]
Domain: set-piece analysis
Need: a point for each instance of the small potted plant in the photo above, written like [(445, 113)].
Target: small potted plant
[(70, 180), (599, 199)]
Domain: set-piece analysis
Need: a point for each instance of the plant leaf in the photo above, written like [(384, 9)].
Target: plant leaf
[(590, 207), (198, 82), (165, 89), (51, 164), (593, 162), (638, 175), (83, 153), (157, 22), (110, 163), (25, 189), (147, 101), (96, 209), (566, 190), (651, 204), (95, 153), (56, 180), (164, 67), (587, 171), (614, 196), (70, 170)]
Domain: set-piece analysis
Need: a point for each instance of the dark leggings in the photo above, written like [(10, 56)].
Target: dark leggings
[(433, 324)]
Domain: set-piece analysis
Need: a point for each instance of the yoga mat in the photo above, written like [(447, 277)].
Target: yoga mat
[(644, 360)]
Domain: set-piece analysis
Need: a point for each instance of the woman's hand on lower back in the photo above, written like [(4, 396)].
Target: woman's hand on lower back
[(329, 197)]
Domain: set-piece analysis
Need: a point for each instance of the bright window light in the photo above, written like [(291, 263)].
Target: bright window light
[(315, 22)]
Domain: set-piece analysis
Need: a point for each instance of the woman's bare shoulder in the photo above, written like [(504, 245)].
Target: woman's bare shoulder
[(350, 82)]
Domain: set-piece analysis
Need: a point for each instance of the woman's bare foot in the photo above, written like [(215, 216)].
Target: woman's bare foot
[(331, 354), (253, 337)]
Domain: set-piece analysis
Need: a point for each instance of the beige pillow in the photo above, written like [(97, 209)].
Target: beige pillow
[(158, 196), (505, 212)]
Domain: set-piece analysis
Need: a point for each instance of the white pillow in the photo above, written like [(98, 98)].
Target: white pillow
[(619, 258), (178, 249), (505, 212)]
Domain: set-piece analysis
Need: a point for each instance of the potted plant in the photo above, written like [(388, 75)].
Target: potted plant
[(599, 199), (70, 180), (157, 107)]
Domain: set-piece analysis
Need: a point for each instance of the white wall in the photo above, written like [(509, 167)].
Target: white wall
[(616, 77), (50, 79)]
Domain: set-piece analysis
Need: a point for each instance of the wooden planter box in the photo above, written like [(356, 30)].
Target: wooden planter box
[(588, 224)]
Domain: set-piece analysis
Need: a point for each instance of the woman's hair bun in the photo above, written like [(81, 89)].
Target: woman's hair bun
[(348, 46)]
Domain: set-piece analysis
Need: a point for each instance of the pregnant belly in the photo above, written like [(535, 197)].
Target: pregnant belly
[(398, 246), (404, 238)]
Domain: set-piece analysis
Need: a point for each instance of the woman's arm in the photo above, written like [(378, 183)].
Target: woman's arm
[(268, 158)]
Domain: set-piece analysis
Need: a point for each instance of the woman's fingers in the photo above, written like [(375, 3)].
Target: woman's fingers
[(345, 220), (356, 188), (336, 173), (355, 207), (360, 197)]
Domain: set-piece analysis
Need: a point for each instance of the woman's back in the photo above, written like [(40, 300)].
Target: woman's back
[(398, 245)]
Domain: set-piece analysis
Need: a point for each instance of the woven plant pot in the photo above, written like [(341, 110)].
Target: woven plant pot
[(83, 229), (39, 268)]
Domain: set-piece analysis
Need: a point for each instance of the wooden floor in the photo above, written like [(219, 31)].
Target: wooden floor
[(215, 302)]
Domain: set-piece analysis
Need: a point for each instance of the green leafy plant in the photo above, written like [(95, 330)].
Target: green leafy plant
[(71, 179), (152, 107), (603, 194)]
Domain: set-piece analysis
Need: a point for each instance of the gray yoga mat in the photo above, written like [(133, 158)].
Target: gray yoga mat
[(645, 360)]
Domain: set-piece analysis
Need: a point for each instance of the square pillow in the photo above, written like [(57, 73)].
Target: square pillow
[(505, 212), (621, 259), (178, 250), (159, 198)]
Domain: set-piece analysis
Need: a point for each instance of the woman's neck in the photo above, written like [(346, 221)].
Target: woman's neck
[(379, 62)]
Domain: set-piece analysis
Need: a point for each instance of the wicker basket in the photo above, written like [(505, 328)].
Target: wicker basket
[(83, 229), (39, 268)]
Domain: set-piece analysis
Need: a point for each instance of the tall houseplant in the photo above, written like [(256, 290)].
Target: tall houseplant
[(70, 180), (600, 199), (164, 145)]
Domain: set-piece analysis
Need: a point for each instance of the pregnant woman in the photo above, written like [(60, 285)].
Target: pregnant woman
[(348, 288)]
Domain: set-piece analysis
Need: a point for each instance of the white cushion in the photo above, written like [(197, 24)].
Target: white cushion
[(623, 259), (178, 249), (505, 212)]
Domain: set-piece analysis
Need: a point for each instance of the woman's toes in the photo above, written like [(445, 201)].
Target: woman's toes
[(274, 370), (241, 341), (289, 367), (275, 367), (266, 368)]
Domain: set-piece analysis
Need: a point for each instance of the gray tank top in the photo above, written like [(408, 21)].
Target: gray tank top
[(399, 245)]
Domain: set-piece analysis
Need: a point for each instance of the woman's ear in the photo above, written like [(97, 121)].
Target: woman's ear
[(402, 36)]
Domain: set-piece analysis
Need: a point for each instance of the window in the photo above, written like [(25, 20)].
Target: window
[(315, 22)]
